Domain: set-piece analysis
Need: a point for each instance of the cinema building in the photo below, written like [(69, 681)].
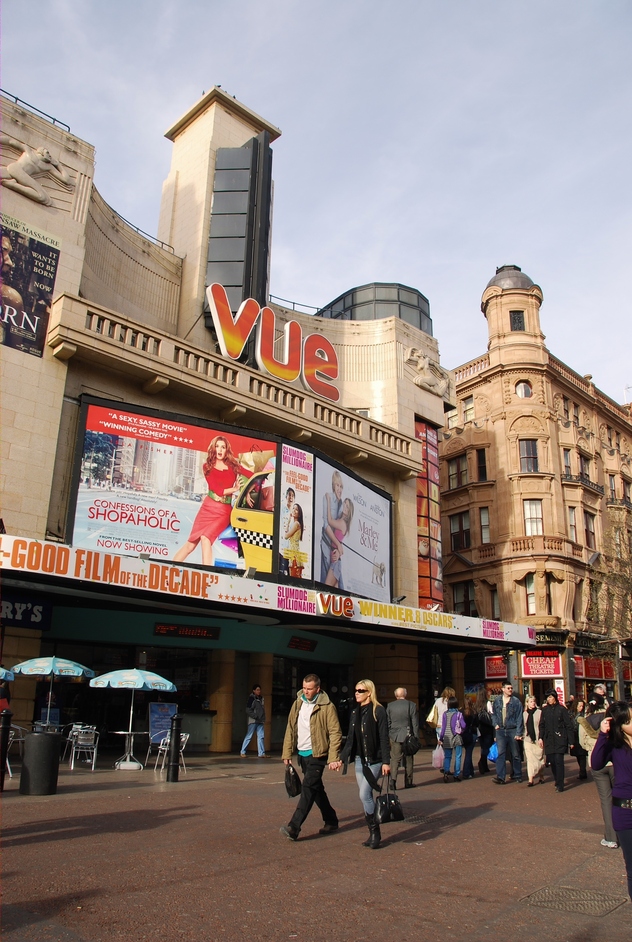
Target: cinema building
[(200, 481), (536, 484)]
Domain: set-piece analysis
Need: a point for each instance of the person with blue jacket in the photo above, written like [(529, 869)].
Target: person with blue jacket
[(509, 726)]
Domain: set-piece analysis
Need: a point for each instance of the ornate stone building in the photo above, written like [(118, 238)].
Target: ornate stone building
[(536, 470)]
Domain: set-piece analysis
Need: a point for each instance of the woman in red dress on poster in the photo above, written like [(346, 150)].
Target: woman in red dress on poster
[(220, 470)]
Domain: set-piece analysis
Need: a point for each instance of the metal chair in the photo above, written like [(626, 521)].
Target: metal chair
[(71, 735), (85, 743), (154, 740), (19, 732), (9, 742), (163, 750)]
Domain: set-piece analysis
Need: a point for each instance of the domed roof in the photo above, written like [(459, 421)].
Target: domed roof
[(510, 276)]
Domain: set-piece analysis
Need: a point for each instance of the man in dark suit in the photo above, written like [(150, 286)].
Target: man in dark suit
[(402, 720)]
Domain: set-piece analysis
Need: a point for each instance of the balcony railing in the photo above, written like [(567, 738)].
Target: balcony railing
[(585, 481), (619, 502)]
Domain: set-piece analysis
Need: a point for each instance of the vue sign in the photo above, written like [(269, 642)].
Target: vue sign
[(312, 358)]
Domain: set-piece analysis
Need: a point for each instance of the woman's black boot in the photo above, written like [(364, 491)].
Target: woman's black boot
[(374, 832)]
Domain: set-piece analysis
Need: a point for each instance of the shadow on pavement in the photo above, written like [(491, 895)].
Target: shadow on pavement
[(68, 828)]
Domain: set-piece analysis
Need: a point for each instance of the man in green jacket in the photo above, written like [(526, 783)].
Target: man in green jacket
[(314, 732)]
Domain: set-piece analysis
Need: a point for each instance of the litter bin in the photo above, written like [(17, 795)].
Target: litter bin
[(40, 764)]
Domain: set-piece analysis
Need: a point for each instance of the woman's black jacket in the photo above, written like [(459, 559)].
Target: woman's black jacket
[(557, 729), (371, 732)]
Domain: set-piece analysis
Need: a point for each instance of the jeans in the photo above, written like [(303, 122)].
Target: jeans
[(468, 765), (447, 759), (506, 743), (313, 792), (366, 792), (624, 839), (261, 749), (396, 755)]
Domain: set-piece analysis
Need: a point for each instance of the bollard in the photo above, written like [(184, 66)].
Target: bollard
[(5, 728), (173, 756)]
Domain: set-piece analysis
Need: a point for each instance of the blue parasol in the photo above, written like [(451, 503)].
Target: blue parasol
[(51, 667), (6, 674), (133, 679)]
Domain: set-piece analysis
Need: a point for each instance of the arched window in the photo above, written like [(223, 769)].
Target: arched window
[(523, 389)]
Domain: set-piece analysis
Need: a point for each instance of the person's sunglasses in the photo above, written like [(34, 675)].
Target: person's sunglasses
[(361, 690)]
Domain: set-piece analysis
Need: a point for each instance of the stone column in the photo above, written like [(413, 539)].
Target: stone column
[(220, 696), (458, 674), (260, 672)]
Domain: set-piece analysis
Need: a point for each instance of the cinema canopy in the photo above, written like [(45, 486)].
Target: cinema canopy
[(200, 478)]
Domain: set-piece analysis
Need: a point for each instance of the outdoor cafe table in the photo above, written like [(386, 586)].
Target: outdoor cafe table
[(128, 760)]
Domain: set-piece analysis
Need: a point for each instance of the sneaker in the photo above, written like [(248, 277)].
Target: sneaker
[(289, 832), (498, 781), (243, 755), (457, 778), (611, 844), (559, 788)]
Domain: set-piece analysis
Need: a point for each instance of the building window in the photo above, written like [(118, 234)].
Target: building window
[(516, 320), (495, 605), (481, 464), (485, 538), (575, 414), (567, 462), (584, 467), (578, 601), (627, 491), (452, 418), (463, 594), (528, 455), (612, 487), (532, 517), (460, 531), (468, 409), (609, 435), (524, 390), (529, 584), (589, 523), (617, 440), (572, 524), (457, 472), (566, 407)]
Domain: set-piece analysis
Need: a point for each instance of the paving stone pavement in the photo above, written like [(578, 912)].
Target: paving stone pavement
[(127, 856)]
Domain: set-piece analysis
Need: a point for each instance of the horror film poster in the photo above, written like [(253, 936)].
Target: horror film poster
[(153, 484), (352, 535), (429, 561), (29, 267), (295, 513)]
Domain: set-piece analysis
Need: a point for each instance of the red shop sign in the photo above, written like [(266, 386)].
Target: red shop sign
[(627, 671), (579, 665), (608, 669), (593, 667), (495, 667), (542, 664)]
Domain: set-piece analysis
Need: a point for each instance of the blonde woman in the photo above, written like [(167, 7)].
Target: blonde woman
[(533, 751), (435, 717), (367, 742)]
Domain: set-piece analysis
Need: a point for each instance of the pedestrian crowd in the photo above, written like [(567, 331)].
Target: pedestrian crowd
[(597, 733)]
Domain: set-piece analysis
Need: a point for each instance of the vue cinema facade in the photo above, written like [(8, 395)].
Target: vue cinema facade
[(153, 360)]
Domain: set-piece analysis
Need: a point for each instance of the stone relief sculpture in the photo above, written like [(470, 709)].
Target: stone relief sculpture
[(20, 175), (429, 376)]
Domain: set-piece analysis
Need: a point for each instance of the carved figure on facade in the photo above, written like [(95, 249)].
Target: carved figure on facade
[(483, 404), (430, 375), (20, 174)]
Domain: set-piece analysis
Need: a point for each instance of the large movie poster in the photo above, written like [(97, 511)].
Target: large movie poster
[(158, 486), (295, 513), (29, 268), (352, 542)]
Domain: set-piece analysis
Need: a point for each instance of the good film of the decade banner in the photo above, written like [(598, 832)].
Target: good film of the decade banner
[(29, 268), (158, 486), (295, 512), (352, 526)]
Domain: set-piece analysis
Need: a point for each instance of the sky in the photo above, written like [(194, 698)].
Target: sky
[(424, 142)]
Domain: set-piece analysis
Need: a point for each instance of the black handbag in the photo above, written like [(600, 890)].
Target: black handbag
[(292, 781), (411, 745), (388, 807)]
